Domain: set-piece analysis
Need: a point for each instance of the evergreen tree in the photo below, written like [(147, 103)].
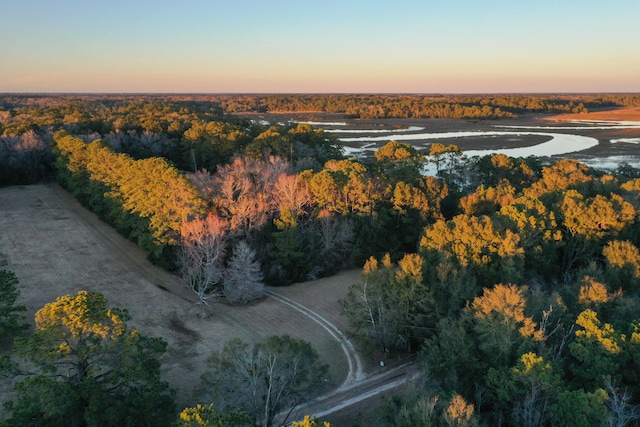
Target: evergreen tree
[(243, 278), (91, 369), (11, 321)]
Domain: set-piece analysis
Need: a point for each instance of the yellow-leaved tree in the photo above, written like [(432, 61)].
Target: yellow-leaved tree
[(207, 416), (84, 366), (477, 243), (309, 422), (502, 324)]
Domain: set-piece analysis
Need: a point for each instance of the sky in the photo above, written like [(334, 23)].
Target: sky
[(313, 46)]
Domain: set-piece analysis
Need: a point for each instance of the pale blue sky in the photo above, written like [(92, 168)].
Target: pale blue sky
[(319, 46)]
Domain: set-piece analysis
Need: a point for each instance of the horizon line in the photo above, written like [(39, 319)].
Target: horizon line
[(47, 93)]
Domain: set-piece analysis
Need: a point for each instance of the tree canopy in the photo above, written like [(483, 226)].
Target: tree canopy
[(515, 280), (273, 375), (90, 369)]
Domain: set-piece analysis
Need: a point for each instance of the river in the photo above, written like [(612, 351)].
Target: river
[(560, 143)]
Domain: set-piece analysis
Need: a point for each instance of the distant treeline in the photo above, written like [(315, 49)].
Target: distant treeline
[(109, 108), (427, 106), (286, 188)]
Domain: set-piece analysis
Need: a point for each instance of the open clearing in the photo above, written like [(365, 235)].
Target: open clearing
[(56, 247)]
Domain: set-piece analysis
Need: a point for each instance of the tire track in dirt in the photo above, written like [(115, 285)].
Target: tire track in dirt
[(355, 372), (371, 386), (357, 386)]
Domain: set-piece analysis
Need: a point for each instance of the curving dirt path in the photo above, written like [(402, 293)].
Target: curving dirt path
[(355, 373), (337, 407), (358, 386)]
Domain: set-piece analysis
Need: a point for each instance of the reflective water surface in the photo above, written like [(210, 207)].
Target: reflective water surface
[(556, 140)]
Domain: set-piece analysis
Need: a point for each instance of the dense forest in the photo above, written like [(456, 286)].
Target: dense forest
[(421, 106), (515, 283)]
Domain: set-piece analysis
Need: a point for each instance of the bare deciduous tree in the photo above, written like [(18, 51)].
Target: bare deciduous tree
[(27, 153), (274, 375), (291, 193), (335, 236), (244, 192), (203, 247), (621, 412), (204, 182)]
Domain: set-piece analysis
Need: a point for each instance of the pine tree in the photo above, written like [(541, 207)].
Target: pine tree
[(243, 279), (11, 321), (83, 366)]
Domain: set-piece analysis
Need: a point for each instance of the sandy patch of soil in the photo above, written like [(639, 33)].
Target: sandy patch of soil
[(631, 114)]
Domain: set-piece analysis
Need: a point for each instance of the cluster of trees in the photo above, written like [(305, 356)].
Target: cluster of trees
[(81, 365), (272, 376), (140, 126), (191, 132), (425, 106), (524, 303), (198, 131), (147, 200), (83, 114), (311, 223), (24, 158), (84, 366), (301, 224)]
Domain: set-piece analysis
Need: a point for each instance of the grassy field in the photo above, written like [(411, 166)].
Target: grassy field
[(56, 247)]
